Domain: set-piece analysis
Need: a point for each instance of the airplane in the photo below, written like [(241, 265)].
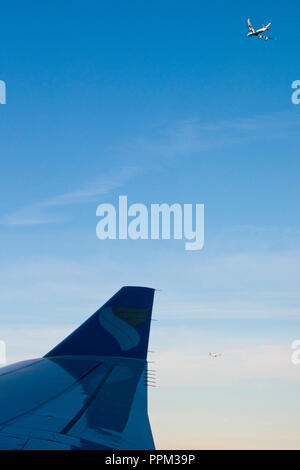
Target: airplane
[(258, 32), (91, 390), (214, 355)]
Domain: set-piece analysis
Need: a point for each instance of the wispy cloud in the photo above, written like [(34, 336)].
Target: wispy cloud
[(185, 139), (39, 213), (195, 136), (103, 185), (189, 354), (34, 214), (238, 286)]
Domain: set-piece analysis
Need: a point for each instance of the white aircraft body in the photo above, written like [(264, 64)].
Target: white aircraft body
[(211, 354), (258, 32)]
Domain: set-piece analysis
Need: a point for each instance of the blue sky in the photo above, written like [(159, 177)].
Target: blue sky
[(163, 102)]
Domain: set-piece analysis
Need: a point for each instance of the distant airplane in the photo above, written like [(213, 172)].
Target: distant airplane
[(211, 354), (258, 32), (90, 391)]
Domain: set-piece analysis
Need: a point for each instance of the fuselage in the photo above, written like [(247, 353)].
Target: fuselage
[(258, 31)]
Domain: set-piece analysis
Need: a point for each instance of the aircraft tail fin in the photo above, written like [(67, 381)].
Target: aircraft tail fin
[(120, 327)]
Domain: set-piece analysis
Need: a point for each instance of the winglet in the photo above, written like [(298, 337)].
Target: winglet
[(120, 328)]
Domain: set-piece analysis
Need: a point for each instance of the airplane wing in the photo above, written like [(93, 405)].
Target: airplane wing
[(90, 391), (250, 26)]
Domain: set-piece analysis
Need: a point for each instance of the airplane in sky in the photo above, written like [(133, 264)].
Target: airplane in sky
[(90, 391), (211, 354), (258, 32)]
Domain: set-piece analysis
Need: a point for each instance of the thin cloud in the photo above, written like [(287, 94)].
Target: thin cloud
[(186, 139), (191, 137), (38, 213), (107, 183)]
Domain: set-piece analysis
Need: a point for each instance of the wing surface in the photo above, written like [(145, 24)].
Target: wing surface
[(83, 395)]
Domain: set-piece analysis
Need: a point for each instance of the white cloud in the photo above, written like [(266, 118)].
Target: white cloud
[(238, 285), (38, 213), (190, 365), (103, 185), (187, 138), (24, 342), (193, 137)]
